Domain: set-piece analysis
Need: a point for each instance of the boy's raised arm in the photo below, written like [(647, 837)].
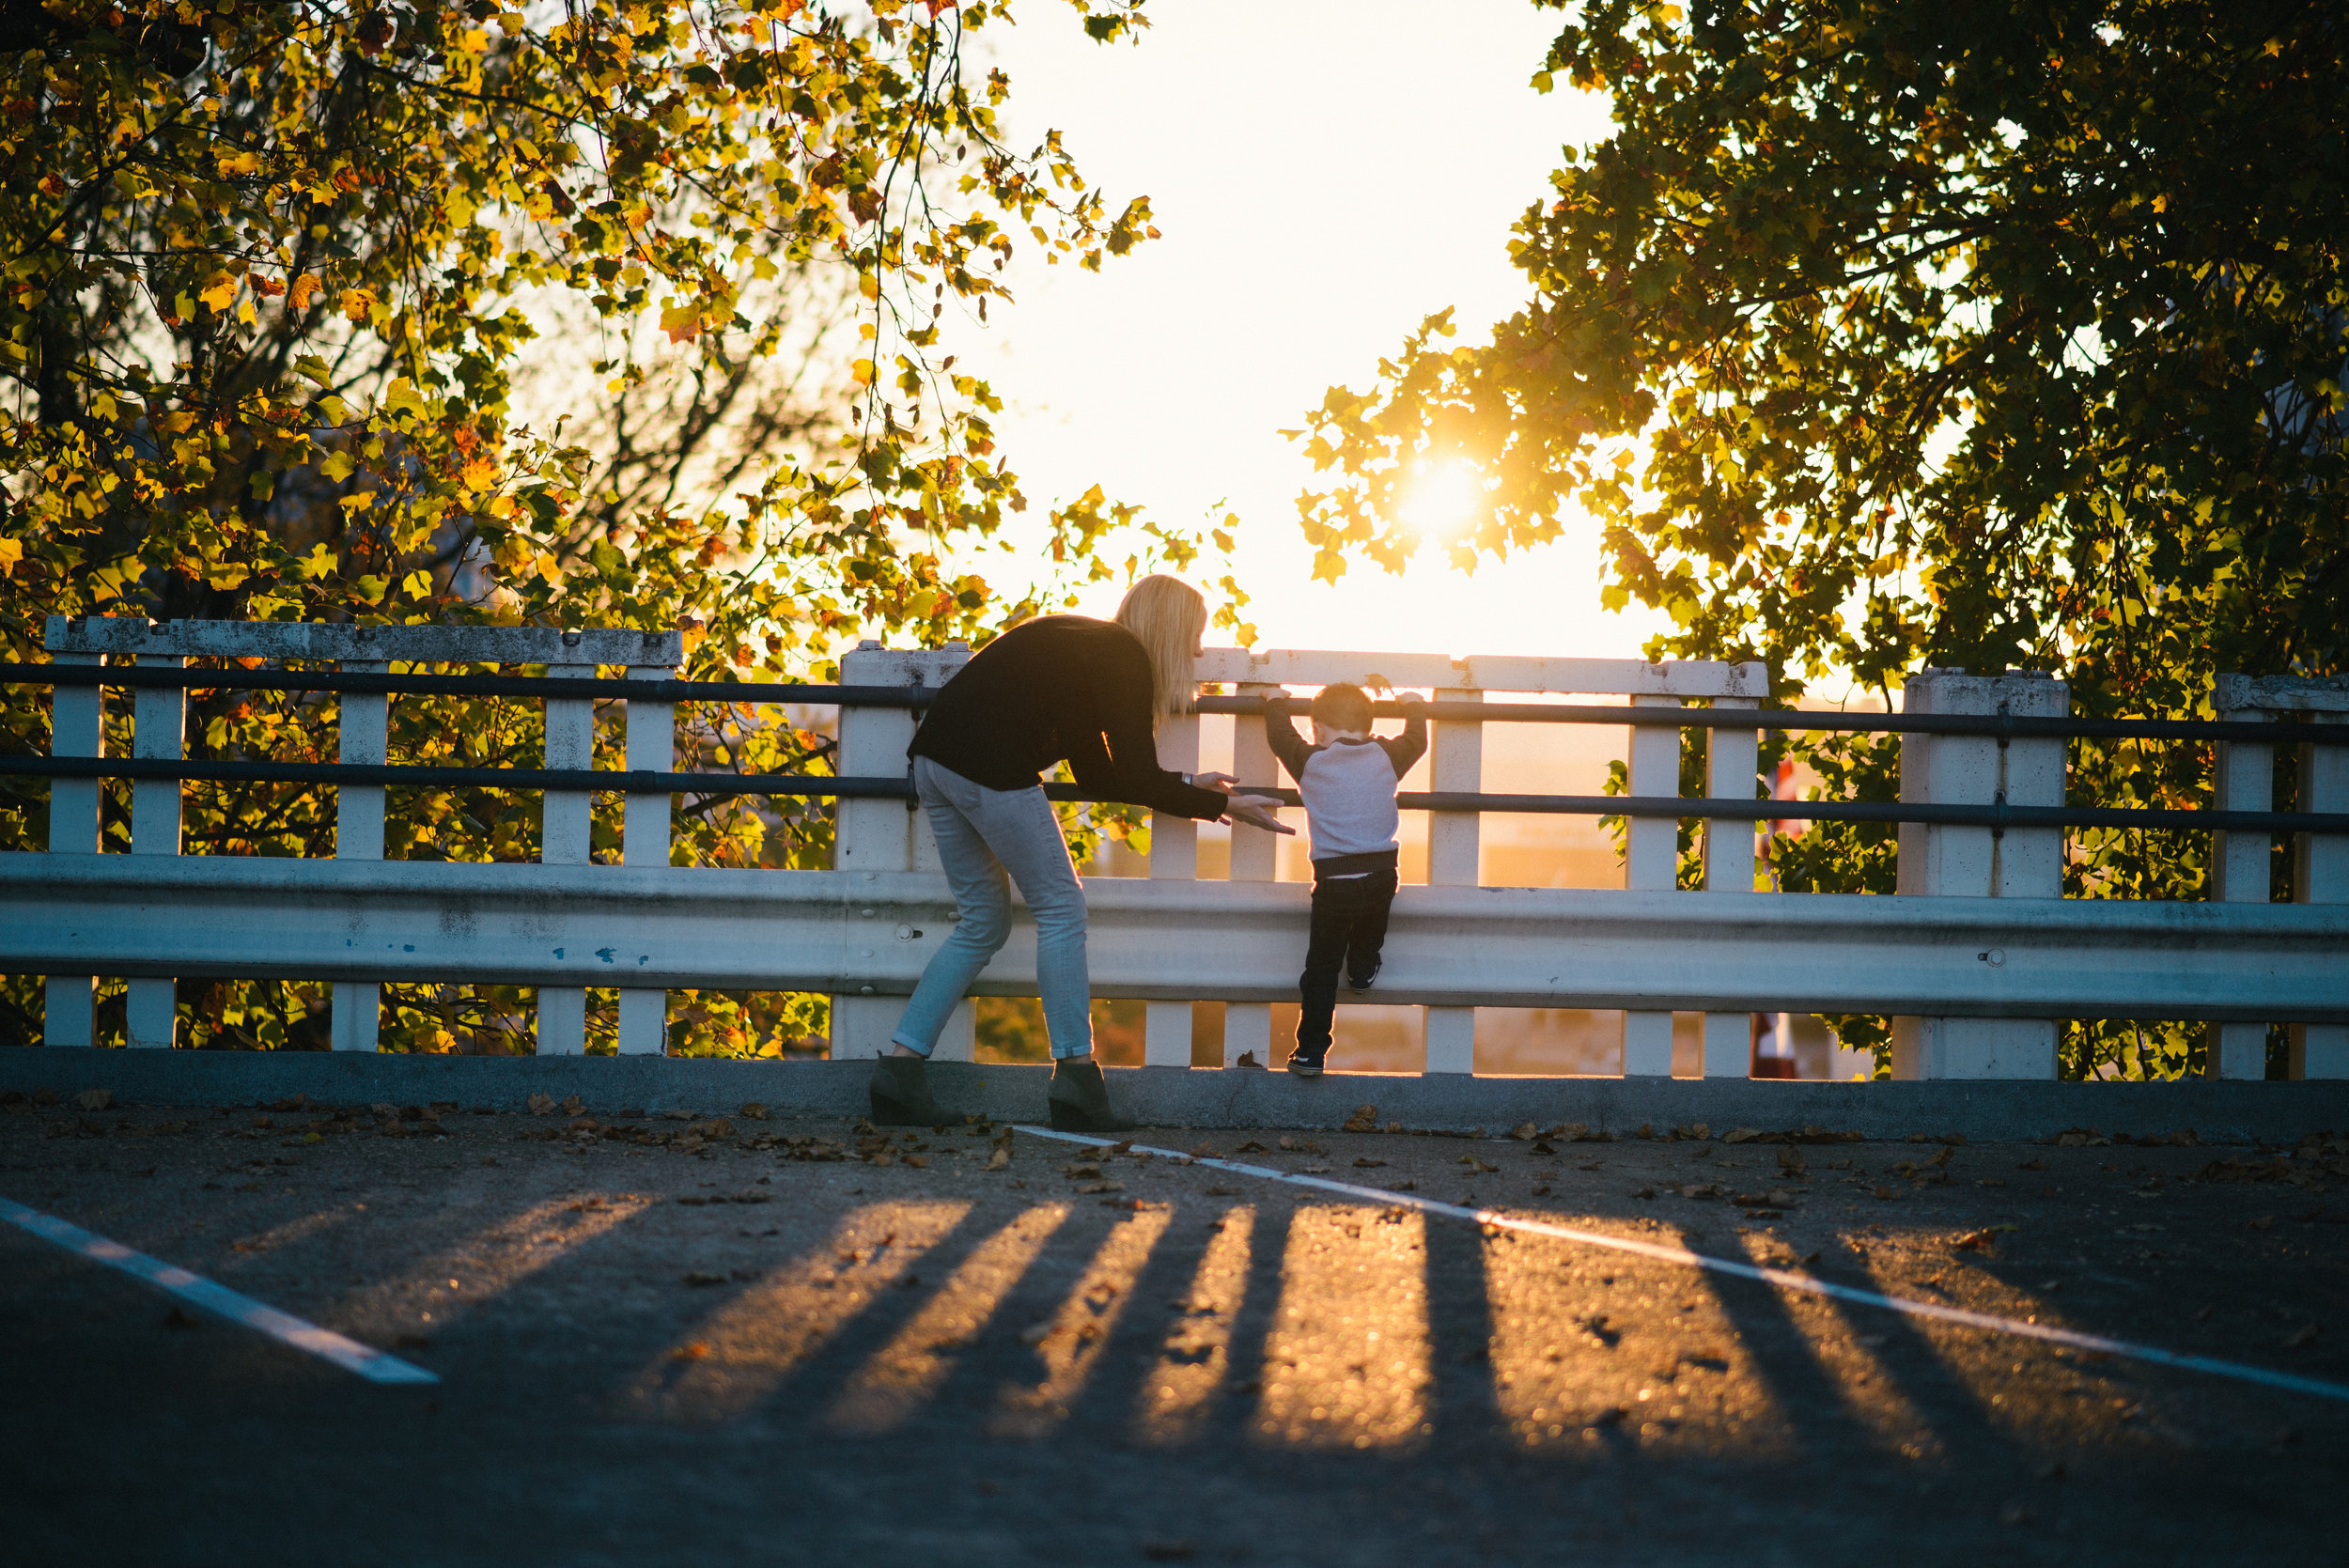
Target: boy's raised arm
[(1280, 733), (1409, 747)]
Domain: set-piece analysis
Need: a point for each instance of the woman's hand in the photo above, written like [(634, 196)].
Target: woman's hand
[(1214, 781), (1256, 811)]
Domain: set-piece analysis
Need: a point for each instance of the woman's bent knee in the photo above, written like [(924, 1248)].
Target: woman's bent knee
[(1061, 920)]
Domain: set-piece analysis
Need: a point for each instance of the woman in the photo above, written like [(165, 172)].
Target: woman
[(1060, 688)]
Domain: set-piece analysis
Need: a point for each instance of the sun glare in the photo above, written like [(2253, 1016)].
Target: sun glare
[(1442, 501)]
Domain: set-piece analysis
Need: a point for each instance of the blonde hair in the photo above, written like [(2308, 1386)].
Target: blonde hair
[(1168, 617)]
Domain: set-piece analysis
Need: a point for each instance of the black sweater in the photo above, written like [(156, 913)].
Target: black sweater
[(1059, 687)]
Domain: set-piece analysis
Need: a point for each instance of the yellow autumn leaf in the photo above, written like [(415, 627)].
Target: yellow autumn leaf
[(862, 370), (683, 323), (304, 287), (11, 552), (550, 570), (357, 302), (480, 474), (218, 291), (403, 397)]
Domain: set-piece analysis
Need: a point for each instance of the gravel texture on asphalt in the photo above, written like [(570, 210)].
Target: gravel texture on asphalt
[(726, 1337)]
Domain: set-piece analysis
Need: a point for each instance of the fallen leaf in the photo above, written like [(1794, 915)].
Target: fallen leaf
[(1368, 1164), (1101, 1186), (94, 1099), (692, 1352), (999, 1159), (2302, 1336), (754, 1110), (702, 1277), (1741, 1135), (1525, 1132), (540, 1104), (1366, 1119), (2263, 1223)]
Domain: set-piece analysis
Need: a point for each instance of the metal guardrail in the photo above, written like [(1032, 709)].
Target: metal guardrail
[(866, 938)]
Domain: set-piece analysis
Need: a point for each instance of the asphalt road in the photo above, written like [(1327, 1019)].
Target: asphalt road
[(676, 1341)]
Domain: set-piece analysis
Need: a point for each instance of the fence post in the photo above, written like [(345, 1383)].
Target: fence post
[(1650, 865), (1455, 842), (1174, 858), (158, 729), (1248, 1025), (1980, 862), (958, 1040), (871, 837), (565, 819), (2322, 876), (76, 729), (363, 727), (645, 841), (2245, 781), (1731, 767)]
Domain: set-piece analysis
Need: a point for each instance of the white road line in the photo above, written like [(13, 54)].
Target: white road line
[(1784, 1278), (368, 1362)]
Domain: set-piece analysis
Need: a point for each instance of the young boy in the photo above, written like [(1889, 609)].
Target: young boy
[(1348, 778)]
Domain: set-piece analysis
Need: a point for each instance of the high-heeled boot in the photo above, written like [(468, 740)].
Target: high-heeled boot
[(1080, 1099), (900, 1092)]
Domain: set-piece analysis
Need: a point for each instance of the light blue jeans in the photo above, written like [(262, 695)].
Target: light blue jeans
[(982, 833)]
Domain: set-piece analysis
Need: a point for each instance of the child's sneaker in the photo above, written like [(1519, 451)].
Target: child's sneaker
[(1364, 982), (1304, 1065)]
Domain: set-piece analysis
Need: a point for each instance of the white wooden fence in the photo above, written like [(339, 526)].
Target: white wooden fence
[(1977, 955)]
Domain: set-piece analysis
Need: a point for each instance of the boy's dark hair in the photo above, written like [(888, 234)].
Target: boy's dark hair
[(1343, 707)]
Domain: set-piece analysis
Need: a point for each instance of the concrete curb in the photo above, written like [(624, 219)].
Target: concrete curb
[(1227, 1098)]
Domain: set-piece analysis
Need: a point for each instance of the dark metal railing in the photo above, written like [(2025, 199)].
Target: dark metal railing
[(1998, 815)]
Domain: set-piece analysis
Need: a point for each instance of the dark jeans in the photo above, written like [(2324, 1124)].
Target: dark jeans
[(1349, 928)]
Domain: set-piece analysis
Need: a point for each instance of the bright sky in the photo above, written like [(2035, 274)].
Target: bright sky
[(1325, 175)]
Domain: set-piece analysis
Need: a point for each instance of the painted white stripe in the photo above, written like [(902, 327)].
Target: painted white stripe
[(1784, 1278), (368, 1362)]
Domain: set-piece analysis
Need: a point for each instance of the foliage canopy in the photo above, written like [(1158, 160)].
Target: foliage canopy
[(272, 266), (1889, 332)]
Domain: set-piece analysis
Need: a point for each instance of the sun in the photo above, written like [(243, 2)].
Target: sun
[(1442, 500)]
